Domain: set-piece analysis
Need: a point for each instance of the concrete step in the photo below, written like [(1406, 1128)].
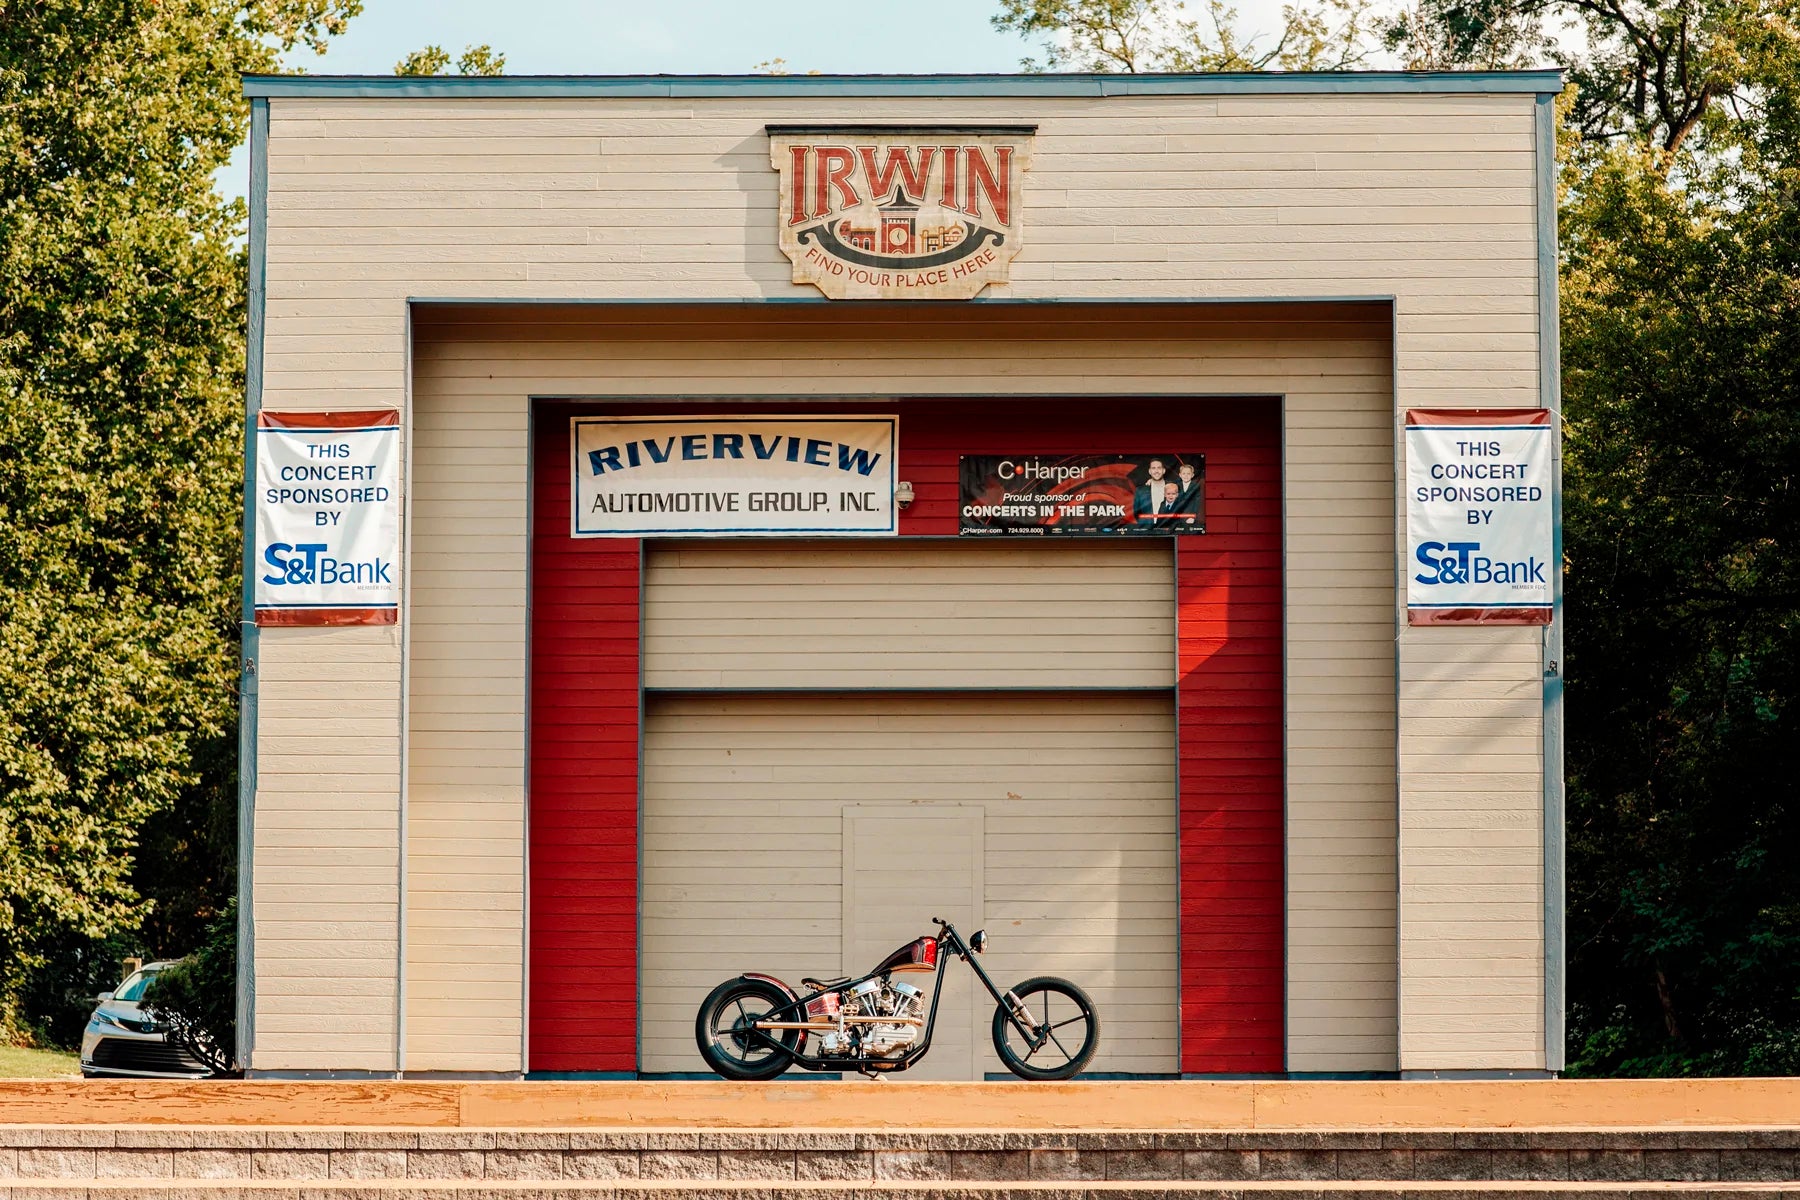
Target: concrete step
[(791, 1189), (1467, 1159)]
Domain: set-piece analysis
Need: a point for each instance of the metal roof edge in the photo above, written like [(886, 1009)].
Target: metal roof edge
[(1540, 82)]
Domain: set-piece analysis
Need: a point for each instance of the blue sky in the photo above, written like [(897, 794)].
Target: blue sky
[(616, 37)]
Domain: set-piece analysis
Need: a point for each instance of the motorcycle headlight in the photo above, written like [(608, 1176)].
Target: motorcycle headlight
[(978, 943)]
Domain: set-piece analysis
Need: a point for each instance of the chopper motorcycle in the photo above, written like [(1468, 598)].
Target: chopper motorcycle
[(756, 1027)]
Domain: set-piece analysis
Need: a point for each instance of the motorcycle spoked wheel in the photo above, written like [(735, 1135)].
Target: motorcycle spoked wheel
[(1067, 1021), (719, 1029)]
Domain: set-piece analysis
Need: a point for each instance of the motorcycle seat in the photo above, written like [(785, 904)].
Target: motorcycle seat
[(824, 985)]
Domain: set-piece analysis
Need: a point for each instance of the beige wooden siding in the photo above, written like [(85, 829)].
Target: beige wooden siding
[(465, 828), (744, 800), (475, 369), (1428, 199), (901, 613), (326, 867)]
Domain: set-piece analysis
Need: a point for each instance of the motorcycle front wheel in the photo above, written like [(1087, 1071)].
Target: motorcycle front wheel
[(724, 1031), (1064, 1030)]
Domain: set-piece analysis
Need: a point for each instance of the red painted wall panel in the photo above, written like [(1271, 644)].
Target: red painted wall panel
[(1229, 699), (583, 782)]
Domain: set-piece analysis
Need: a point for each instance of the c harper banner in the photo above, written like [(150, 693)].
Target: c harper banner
[(731, 476), (1092, 494), (1479, 516), (328, 518)]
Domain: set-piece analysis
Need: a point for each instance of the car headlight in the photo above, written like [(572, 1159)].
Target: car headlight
[(105, 1018)]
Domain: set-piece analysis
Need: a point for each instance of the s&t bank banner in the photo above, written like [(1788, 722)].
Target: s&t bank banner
[(730, 476), (327, 518), (1479, 518)]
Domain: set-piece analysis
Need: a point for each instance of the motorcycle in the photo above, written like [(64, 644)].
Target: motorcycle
[(756, 1027)]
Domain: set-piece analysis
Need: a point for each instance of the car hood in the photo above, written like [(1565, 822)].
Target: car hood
[(127, 1013)]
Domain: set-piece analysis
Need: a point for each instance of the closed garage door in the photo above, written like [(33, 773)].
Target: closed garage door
[(776, 839)]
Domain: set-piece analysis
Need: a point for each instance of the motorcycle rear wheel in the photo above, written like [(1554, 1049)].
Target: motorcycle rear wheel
[(722, 1024), (1065, 1024)]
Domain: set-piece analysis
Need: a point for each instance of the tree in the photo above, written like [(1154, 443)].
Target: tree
[(1682, 409), (1156, 35), (435, 60), (1647, 72), (121, 358)]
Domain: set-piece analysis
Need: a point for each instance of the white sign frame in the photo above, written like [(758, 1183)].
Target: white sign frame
[(751, 475), (1480, 517), (327, 518)]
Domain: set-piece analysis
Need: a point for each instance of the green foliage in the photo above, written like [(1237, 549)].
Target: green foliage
[(121, 358), (435, 60), (1682, 338), (197, 997)]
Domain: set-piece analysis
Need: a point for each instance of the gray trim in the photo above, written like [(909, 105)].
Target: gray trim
[(962, 86), (637, 896), (1146, 690), (651, 399), (1477, 1076), (1175, 703), (346, 1074), (1550, 396), (906, 127), (1287, 845), (816, 300), (250, 639), (465, 1076), (525, 865), (404, 751), (1397, 421)]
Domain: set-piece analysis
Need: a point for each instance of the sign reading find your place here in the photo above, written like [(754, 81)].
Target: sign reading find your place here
[(725, 476), (327, 518), (1479, 517)]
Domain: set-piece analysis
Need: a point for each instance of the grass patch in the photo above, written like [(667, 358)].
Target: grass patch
[(17, 1062)]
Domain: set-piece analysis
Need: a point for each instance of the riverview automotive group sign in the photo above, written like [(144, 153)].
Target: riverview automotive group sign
[(872, 212), (733, 476), (1480, 516)]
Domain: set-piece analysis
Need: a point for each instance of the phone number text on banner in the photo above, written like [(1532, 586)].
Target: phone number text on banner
[(732, 476), (328, 518), (1479, 517)]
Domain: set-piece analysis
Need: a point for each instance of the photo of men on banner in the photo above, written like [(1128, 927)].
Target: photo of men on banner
[(1161, 500)]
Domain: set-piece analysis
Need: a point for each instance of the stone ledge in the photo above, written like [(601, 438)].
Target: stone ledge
[(802, 1156), (91, 1189)]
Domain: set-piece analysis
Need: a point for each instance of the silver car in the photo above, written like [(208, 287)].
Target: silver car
[(121, 1039)]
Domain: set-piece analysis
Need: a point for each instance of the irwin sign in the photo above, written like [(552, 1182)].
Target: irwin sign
[(900, 213)]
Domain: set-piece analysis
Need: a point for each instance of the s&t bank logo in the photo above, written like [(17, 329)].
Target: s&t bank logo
[(308, 563), (1463, 563)]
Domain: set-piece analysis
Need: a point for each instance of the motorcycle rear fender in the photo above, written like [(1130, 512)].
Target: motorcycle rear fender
[(791, 994)]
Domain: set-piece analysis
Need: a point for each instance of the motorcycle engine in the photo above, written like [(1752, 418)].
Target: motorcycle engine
[(875, 1039)]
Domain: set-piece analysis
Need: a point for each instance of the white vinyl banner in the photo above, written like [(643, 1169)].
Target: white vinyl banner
[(731, 476), (328, 518), (1479, 516)]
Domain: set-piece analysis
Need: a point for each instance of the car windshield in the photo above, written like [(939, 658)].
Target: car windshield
[(133, 988)]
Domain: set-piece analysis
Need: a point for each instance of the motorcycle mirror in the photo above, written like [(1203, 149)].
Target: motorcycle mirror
[(978, 943)]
